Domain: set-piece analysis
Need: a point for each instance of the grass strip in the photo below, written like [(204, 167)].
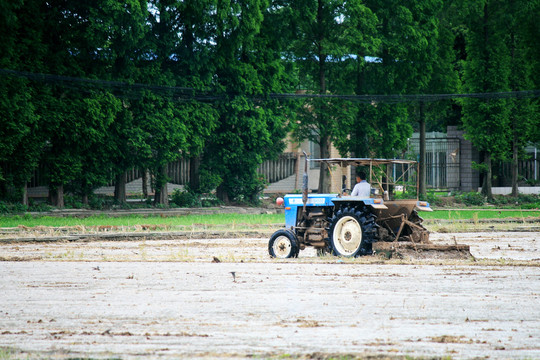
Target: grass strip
[(230, 219), (131, 220), (477, 214)]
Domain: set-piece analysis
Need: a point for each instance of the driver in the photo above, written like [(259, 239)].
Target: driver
[(362, 187)]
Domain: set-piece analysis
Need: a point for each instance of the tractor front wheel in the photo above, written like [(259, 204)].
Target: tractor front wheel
[(283, 244)]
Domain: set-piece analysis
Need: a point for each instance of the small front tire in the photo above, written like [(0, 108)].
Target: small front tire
[(283, 244)]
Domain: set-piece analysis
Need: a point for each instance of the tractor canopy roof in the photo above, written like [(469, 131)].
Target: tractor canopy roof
[(391, 175)]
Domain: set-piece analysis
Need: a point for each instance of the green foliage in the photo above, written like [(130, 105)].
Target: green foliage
[(38, 206), (409, 194), (210, 200), (324, 34), (471, 198), (191, 199), (73, 202), (433, 199), (12, 208), (87, 133), (97, 203), (498, 59), (186, 198)]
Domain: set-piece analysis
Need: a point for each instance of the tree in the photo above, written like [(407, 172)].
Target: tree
[(119, 51), (20, 137), (523, 112), (382, 129), (246, 132), (327, 33), (20, 147), (487, 69), (180, 30), (99, 110), (431, 51), (164, 138)]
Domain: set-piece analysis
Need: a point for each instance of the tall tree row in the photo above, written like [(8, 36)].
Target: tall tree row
[(141, 83), (500, 59)]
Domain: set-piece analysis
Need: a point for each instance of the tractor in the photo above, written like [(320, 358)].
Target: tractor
[(349, 226)]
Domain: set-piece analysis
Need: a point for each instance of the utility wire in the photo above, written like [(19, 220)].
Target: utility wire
[(187, 93)]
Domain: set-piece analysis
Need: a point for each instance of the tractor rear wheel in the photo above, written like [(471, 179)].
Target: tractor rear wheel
[(352, 232), (283, 244)]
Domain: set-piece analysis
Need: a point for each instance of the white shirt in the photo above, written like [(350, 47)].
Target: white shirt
[(362, 189)]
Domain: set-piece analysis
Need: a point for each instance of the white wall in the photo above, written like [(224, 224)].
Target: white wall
[(508, 190)]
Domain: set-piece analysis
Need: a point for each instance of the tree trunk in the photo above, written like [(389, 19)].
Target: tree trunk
[(324, 140), (322, 56), (60, 196), (144, 174), (324, 174), (487, 185), (515, 141), (422, 163), (25, 194), (515, 166), (53, 195), (85, 199), (194, 173), (120, 188), (162, 195), (222, 194), (56, 195)]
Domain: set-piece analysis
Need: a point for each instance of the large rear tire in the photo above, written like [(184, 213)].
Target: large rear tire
[(352, 231), (283, 244)]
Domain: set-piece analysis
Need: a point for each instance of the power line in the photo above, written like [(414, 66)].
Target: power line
[(188, 93), (50, 78), (414, 97)]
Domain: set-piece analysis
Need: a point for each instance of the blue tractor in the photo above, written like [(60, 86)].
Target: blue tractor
[(349, 225)]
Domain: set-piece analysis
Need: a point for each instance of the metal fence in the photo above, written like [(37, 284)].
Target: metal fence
[(528, 171), (179, 171), (442, 162), (279, 169)]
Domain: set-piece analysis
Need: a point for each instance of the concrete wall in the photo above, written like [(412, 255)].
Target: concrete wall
[(528, 190)]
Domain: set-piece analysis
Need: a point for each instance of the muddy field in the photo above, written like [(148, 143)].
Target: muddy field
[(225, 298)]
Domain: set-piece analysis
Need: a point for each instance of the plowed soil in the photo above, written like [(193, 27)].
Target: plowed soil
[(225, 298)]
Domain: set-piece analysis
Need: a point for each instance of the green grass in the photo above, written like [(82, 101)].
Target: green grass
[(478, 214), (131, 220), (232, 220)]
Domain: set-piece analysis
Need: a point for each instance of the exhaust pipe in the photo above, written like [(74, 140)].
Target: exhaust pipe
[(305, 184)]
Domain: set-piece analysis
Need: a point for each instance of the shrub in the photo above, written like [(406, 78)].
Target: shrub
[(9, 208), (72, 202), (96, 203), (528, 198), (529, 201), (471, 198), (436, 200), (502, 200), (186, 198), (39, 207), (210, 200), (4, 208), (522, 200)]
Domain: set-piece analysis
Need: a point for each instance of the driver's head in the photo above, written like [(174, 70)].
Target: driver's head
[(360, 176)]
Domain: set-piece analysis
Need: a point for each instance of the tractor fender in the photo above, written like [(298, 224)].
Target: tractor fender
[(372, 203)]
